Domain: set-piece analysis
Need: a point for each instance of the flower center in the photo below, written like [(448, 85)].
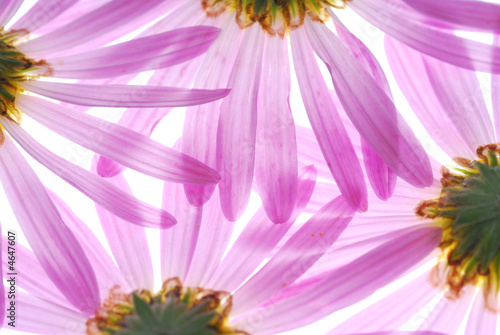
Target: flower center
[(173, 310), (15, 67), (275, 16), (468, 212)]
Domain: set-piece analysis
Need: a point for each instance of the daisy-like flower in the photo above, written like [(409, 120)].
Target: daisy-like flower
[(53, 40), (81, 291), (457, 284), (251, 132)]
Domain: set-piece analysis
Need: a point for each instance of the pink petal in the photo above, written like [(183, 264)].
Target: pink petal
[(381, 177), (407, 65), (118, 143), (298, 254), (330, 133), (37, 284), (141, 54), (481, 320), (8, 9), (45, 317), (352, 282), (237, 126), (55, 246), (107, 273), (371, 111), (123, 95), (41, 13), (128, 243), (258, 239), (396, 332), (99, 190), (96, 24), (476, 14), (416, 33), (276, 147), (179, 242), (495, 94)]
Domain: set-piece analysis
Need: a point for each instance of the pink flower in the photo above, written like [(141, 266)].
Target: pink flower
[(66, 31), (251, 132), (458, 279)]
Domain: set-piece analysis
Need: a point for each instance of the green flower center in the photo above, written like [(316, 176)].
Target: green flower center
[(15, 67), (172, 311), (468, 212), (275, 16)]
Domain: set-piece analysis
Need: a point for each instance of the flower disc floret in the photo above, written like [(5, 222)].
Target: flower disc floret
[(173, 310), (275, 16), (468, 212)]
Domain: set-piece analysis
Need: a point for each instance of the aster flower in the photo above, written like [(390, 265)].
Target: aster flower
[(64, 32), (251, 132), (203, 291), (459, 279)]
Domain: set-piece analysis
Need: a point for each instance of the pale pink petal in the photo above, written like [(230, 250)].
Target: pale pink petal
[(258, 239), (460, 94), (8, 270), (111, 16), (107, 273), (7, 10), (381, 177), (276, 147), (350, 283), (416, 33), (237, 126), (41, 13), (141, 54), (179, 242), (407, 65), (123, 95), (46, 317), (56, 248), (118, 143), (37, 284), (96, 188), (199, 137), (495, 94), (481, 320), (476, 14), (371, 111), (330, 133), (448, 314), (128, 243), (215, 234), (395, 310), (298, 254), (396, 332)]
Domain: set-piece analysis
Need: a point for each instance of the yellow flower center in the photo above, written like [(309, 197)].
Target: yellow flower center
[(173, 310), (275, 16), (468, 212)]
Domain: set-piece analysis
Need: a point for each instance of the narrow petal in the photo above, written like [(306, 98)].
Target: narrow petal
[(330, 133), (141, 54), (258, 239), (396, 332), (407, 65), (475, 14), (495, 94), (352, 282), (439, 43), (118, 143), (199, 136), (481, 320), (8, 9), (460, 94), (276, 147), (123, 95), (298, 254), (237, 126), (381, 177), (371, 111), (45, 317), (101, 21), (64, 261), (41, 13), (128, 243), (96, 188)]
